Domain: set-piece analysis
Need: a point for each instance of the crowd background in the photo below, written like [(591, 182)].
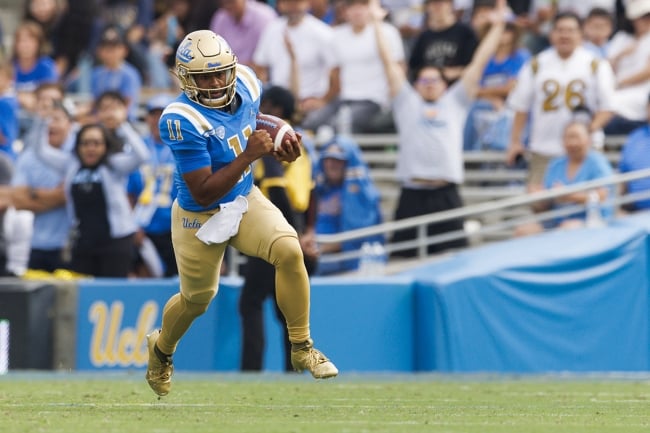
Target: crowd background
[(73, 67)]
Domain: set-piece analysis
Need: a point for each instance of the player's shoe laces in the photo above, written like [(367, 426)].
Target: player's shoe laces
[(159, 372), (305, 357)]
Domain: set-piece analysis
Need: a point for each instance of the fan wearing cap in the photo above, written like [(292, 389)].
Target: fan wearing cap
[(347, 200), (113, 71), (152, 191)]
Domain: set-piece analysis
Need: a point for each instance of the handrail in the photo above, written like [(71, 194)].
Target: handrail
[(478, 208), (391, 139)]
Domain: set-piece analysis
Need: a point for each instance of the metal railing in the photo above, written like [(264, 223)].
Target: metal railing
[(420, 223)]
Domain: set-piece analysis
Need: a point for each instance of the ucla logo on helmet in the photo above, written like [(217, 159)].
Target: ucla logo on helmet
[(185, 52), (213, 64)]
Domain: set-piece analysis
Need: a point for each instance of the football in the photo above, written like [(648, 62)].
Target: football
[(278, 129)]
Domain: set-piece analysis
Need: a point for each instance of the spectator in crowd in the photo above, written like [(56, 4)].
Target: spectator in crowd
[(285, 55), (15, 226), (598, 27), (164, 36), (152, 191), (580, 163), (549, 87), (132, 18), (210, 127), (38, 187), (480, 17), (113, 71), (430, 117), (48, 95), (582, 8), (407, 16), (31, 66), (445, 42), (358, 79), (538, 22), (635, 155), (242, 22), (201, 15), (289, 191), (325, 11), (489, 120), (111, 110), (96, 197), (47, 14), (73, 40), (629, 55), (8, 109), (347, 200)]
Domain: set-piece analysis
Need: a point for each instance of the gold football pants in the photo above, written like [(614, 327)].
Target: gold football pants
[(263, 232)]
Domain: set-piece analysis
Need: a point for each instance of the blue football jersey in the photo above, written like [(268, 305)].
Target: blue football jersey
[(211, 137)]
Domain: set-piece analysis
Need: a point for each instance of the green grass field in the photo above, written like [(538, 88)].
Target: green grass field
[(122, 403)]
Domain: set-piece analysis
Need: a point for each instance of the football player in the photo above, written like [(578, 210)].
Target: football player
[(210, 128)]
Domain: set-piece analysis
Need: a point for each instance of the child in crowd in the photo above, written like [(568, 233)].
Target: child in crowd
[(597, 29), (31, 66), (114, 72)]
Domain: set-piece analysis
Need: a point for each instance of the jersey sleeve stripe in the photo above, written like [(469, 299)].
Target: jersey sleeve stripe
[(249, 78), (197, 120)]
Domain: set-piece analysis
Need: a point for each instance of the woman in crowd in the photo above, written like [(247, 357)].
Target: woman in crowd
[(96, 197)]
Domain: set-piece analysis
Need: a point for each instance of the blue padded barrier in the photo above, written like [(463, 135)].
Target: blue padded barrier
[(364, 325), (561, 301), (573, 300)]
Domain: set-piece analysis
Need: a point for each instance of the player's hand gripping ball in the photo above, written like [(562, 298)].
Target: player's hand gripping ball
[(279, 130)]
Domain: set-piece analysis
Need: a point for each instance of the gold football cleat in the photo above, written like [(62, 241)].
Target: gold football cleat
[(306, 357)]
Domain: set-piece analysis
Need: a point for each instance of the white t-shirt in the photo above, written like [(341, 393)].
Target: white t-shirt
[(583, 7), (552, 89), (631, 101), (431, 134), (311, 41), (362, 73)]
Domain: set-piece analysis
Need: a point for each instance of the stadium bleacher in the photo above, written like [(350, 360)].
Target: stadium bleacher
[(486, 175)]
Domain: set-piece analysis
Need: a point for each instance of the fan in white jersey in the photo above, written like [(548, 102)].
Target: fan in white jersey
[(549, 87)]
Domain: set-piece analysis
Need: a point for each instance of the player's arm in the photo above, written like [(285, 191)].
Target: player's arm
[(472, 74), (207, 186)]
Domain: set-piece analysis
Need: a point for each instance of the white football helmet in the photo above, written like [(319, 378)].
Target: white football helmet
[(205, 52)]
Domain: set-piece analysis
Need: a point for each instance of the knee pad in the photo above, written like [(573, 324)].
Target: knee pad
[(286, 251), (194, 309)]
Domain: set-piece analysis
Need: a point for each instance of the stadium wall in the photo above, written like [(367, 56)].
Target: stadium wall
[(562, 301)]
